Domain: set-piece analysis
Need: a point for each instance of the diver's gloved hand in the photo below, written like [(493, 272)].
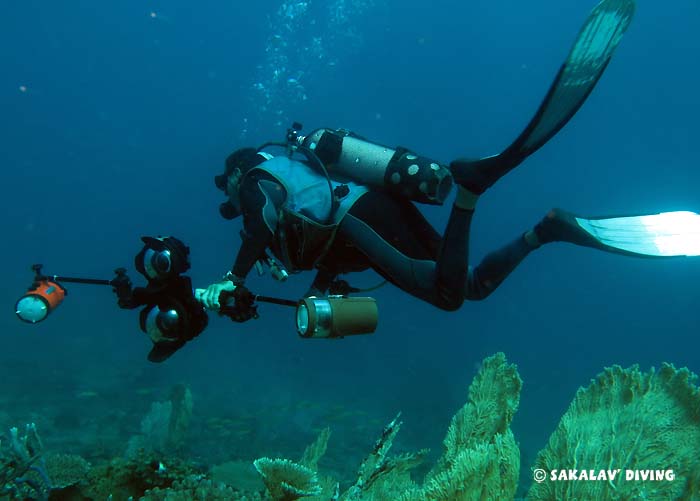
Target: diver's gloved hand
[(209, 297), (243, 308)]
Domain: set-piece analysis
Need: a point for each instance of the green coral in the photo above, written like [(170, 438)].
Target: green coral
[(494, 396), (627, 419), (315, 451), (165, 427), (180, 416), (624, 420), (486, 471), (286, 480), (480, 460), (66, 470)]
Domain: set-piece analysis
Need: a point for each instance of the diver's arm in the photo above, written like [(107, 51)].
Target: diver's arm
[(261, 199)]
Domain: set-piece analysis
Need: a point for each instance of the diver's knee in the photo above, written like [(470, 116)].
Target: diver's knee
[(450, 302), (478, 294), (476, 288)]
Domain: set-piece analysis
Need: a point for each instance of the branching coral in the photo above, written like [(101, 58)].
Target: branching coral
[(375, 465), (22, 472)]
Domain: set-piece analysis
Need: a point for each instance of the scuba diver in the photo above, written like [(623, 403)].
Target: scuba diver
[(348, 204), (337, 203)]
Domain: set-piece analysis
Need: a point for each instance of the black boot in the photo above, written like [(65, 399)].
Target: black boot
[(479, 175), (561, 226)]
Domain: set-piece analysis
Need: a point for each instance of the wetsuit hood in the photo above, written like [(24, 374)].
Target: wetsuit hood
[(242, 160)]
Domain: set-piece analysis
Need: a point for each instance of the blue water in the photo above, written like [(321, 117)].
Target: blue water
[(116, 116)]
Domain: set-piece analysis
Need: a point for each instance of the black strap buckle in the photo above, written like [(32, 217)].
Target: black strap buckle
[(341, 191)]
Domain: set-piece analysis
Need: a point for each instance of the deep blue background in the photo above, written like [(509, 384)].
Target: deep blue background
[(126, 118)]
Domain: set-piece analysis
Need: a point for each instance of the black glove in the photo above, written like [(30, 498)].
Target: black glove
[(243, 308)]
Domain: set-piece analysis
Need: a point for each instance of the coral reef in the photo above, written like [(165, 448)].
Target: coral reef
[(627, 420), (624, 420), (199, 488), (480, 459), (124, 478)]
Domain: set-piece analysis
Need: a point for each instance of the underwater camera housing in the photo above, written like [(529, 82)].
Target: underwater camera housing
[(171, 316), (162, 258)]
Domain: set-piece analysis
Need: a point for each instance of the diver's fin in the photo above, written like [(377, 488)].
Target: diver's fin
[(666, 234), (587, 60)]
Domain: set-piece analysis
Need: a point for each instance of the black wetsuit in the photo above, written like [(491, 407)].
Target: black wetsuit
[(389, 235)]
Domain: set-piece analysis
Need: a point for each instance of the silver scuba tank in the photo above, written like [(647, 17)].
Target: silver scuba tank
[(395, 170)]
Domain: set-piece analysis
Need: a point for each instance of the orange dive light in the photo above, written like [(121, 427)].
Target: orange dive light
[(44, 297)]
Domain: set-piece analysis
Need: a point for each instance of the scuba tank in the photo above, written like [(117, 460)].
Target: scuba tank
[(395, 170)]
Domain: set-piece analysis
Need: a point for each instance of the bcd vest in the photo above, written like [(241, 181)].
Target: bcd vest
[(308, 220)]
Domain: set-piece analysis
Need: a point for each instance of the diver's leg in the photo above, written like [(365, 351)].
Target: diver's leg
[(441, 278), (575, 80), (494, 269), (668, 234), (391, 233), (452, 265)]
